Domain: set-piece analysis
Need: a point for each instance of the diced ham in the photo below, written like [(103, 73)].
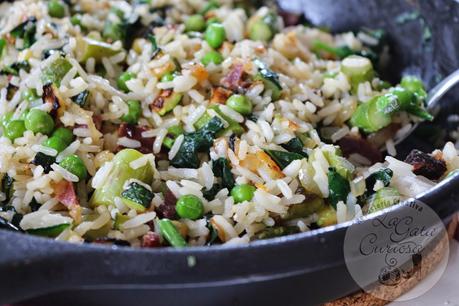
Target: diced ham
[(234, 79), (97, 119), (151, 240), (135, 132), (351, 144), (65, 193), (167, 209)]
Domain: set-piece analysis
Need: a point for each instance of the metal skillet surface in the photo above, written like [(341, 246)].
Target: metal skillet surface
[(300, 269)]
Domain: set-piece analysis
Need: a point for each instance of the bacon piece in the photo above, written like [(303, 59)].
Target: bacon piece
[(167, 209), (151, 240), (135, 132), (65, 193), (351, 144), (234, 78), (426, 165), (97, 119)]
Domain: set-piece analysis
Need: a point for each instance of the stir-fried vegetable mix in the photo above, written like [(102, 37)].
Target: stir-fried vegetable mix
[(175, 123)]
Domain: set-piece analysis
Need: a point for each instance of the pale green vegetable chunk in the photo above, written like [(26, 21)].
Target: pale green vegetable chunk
[(119, 174)]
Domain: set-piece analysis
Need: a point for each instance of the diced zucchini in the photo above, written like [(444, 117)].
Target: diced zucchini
[(342, 165), (88, 47), (326, 217), (43, 223), (119, 220), (270, 80), (54, 72), (233, 126), (277, 231), (383, 198), (52, 231), (137, 197), (305, 209), (166, 102), (358, 69)]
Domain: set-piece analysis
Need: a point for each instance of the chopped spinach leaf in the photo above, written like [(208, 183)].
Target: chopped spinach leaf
[(195, 142), (44, 160), (26, 31), (295, 145), (7, 188), (14, 68), (338, 186), (221, 168), (384, 175), (81, 98), (283, 159)]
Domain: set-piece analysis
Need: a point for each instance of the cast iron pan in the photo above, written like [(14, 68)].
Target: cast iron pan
[(302, 269)]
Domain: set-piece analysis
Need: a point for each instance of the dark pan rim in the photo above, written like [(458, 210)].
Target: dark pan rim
[(445, 185)]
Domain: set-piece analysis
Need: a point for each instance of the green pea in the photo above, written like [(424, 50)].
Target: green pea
[(167, 77), (14, 129), (55, 143), (212, 57), (121, 82), (60, 139), (64, 134), (189, 207), (56, 9), (75, 165), (260, 31), (6, 118), (195, 23), (240, 104), (241, 193), (30, 94), (39, 121), (134, 112), (170, 233), (215, 35)]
